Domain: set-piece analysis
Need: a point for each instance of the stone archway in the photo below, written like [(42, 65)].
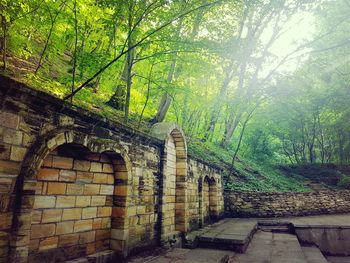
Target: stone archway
[(173, 212), (46, 216), (213, 200), (209, 200)]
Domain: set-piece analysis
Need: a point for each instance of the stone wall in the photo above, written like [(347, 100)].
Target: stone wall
[(253, 204), (73, 183)]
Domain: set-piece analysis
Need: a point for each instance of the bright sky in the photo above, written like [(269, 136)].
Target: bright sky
[(299, 29)]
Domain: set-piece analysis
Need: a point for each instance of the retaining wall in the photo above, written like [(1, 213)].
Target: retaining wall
[(254, 204)]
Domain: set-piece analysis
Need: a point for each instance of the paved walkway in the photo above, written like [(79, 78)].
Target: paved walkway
[(265, 247), (268, 247), (326, 220), (183, 255)]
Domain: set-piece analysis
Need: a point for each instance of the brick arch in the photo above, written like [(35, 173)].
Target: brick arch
[(26, 186), (213, 199), (209, 196), (173, 213)]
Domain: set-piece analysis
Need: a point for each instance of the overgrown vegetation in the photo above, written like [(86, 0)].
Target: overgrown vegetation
[(254, 84)]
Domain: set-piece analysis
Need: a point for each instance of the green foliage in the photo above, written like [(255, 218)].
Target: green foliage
[(214, 60), (344, 182)]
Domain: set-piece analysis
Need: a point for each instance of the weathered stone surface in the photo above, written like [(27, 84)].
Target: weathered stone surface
[(253, 204), (78, 168)]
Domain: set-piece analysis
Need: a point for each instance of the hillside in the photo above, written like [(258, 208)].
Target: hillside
[(245, 175)]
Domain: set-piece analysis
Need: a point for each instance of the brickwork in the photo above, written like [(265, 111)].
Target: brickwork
[(252, 204), (204, 194), (73, 203), (74, 185)]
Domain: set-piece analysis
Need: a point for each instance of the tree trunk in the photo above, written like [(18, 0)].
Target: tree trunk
[(217, 103), (75, 46), (166, 98), (4, 42), (44, 49), (230, 129), (117, 100)]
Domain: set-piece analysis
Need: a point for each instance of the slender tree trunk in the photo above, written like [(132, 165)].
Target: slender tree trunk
[(117, 100), (53, 21), (4, 42), (75, 46), (44, 49), (214, 117), (130, 61), (230, 129), (166, 98), (250, 114), (147, 94)]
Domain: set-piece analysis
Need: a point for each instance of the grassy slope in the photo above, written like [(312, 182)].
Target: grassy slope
[(245, 176)]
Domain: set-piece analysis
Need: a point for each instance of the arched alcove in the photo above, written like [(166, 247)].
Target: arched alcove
[(74, 197), (209, 200), (173, 204)]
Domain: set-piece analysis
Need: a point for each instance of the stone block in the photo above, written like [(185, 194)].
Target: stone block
[(107, 190), (42, 230), (65, 201), (68, 240), (62, 162), (44, 202), (51, 215), (96, 167), (87, 237), (83, 201), (121, 190), (118, 245), (93, 156), (6, 185), (119, 234), (122, 175), (64, 227), (5, 150), (103, 234), (72, 214), (121, 211), (47, 161), (97, 223), (104, 211), (48, 243), (56, 188), (67, 176), (107, 168), (17, 153), (110, 178), (34, 245), (90, 248), (89, 212), (10, 167), (36, 216), (85, 177), (100, 178), (48, 174), (106, 222), (13, 137), (81, 165), (91, 189), (9, 120), (83, 225), (98, 200), (75, 189)]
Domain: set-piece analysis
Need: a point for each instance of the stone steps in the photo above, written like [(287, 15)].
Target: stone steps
[(272, 247), (233, 235)]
